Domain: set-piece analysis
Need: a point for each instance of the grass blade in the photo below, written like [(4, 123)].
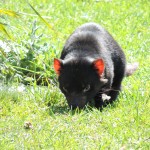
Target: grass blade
[(2, 28), (9, 13), (47, 24)]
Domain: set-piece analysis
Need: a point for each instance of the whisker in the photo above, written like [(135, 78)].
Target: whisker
[(108, 90)]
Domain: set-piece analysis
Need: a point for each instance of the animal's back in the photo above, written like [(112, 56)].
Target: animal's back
[(107, 44), (93, 41)]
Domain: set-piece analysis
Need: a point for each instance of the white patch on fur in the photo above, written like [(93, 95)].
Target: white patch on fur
[(105, 97)]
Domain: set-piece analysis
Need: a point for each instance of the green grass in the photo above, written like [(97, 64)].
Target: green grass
[(125, 125)]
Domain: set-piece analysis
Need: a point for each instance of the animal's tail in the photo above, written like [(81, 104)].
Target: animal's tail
[(131, 68)]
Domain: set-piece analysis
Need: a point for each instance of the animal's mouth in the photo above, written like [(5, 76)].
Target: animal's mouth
[(77, 107), (77, 102), (83, 106)]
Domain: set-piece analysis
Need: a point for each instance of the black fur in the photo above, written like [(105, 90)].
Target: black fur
[(78, 79)]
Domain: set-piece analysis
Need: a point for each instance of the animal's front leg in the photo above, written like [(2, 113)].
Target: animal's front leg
[(108, 97), (99, 103)]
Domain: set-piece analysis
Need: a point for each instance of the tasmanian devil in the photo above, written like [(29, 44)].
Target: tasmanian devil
[(91, 67)]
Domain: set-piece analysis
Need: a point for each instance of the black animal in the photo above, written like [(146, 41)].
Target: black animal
[(91, 67)]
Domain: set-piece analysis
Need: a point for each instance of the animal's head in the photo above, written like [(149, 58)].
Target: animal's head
[(80, 80)]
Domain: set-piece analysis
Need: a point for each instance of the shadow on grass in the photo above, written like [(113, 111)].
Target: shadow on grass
[(66, 110), (58, 110)]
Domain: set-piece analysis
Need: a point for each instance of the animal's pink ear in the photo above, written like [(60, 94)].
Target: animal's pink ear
[(99, 66), (57, 66)]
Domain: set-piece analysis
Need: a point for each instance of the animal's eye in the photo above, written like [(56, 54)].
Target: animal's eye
[(65, 89), (87, 88)]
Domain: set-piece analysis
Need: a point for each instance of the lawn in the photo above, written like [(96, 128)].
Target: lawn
[(37, 117)]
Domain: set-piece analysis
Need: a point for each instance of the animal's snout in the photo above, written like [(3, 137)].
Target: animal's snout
[(76, 102)]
